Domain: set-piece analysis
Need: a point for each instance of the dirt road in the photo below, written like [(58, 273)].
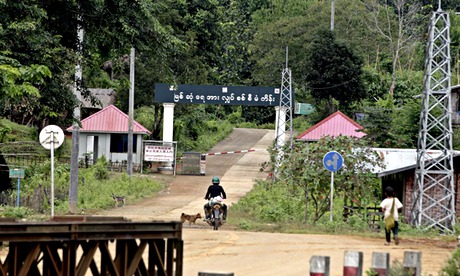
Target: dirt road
[(254, 253)]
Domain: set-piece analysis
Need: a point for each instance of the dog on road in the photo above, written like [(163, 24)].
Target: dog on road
[(119, 199), (190, 218)]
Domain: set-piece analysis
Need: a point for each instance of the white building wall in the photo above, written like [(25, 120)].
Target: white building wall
[(104, 147), (82, 145)]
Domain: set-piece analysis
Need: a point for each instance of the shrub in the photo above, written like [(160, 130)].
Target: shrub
[(16, 212), (270, 204), (100, 169), (452, 267), (396, 269)]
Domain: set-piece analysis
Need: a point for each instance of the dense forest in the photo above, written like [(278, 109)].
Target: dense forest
[(370, 62)]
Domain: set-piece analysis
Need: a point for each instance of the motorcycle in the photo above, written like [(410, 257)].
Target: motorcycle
[(217, 214)]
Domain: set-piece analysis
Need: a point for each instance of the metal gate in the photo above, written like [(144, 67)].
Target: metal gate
[(193, 163)]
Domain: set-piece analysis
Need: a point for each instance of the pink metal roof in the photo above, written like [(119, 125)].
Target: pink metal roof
[(109, 120), (334, 125)]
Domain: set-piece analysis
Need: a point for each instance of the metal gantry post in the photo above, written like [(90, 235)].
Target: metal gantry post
[(433, 198), (284, 115)]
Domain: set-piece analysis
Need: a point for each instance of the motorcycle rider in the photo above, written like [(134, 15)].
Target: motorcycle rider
[(215, 190)]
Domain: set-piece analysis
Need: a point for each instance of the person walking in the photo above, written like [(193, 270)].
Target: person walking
[(391, 206)]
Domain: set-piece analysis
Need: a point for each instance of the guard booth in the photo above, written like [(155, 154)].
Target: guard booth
[(193, 163)]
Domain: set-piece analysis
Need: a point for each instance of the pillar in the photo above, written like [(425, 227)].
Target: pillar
[(353, 263), (319, 265), (168, 131), (413, 261), (280, 126), (381, 263), (168, 122)]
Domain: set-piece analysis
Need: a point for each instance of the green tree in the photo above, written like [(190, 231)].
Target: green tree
[(455, 46), (17, 80), (355, 181), (405, 125), (333, 72), (45, 33), (233, 65), (398, 22), (377, 121), (27, 42), (392, 121)]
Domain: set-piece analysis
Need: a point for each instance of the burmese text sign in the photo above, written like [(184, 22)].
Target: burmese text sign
[(159, 153), (217, 94)]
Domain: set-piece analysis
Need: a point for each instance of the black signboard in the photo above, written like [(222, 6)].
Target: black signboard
[(217, 94)]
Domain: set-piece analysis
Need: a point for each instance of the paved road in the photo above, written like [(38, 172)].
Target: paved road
[(252, 253)]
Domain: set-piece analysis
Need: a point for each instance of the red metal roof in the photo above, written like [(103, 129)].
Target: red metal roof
[(334, 125), (109, 120)]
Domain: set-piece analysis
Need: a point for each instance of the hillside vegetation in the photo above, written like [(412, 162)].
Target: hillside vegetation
[(224, 42), (371, 63)]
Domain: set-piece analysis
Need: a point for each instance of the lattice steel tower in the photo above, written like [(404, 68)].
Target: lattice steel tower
[(433, 200), (284, 114)]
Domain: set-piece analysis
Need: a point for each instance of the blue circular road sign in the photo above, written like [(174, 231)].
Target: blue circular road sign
[(333, 161)]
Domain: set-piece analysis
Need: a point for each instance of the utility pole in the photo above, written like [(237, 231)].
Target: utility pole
[(73, 189), (332, 14), (129, 165)]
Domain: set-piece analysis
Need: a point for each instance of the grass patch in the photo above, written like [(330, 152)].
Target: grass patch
[(95, 188), (267, 208), (94, 194)]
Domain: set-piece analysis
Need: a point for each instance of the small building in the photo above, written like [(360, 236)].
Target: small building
[(399, 173), (106, 133), (334, 125)]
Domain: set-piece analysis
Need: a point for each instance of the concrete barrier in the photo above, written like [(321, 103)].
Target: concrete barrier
[(381, 263), (413, 260), (319, 265), (353, 263)]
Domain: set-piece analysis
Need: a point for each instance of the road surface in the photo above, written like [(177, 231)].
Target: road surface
[(256, 253)]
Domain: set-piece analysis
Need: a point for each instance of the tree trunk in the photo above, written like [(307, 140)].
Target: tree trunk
[(306, 206)]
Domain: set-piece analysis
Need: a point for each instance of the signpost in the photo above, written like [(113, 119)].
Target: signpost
[(157, 153), (303, 108), (217, 94), (51, 137), (17, 173), (332, 161)]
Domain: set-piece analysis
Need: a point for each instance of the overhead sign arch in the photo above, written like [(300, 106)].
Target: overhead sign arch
[(217, 94), (170, 95)]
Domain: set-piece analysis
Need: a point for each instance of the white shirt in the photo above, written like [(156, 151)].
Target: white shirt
[(386, 205)]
